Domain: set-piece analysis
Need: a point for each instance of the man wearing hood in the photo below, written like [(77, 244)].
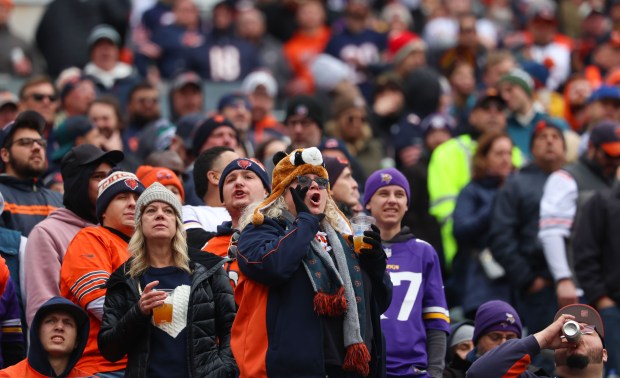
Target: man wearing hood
[(57, 339), (81, 169), (407, 134)]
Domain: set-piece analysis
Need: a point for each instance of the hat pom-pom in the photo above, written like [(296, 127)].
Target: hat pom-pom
[(312, 155)]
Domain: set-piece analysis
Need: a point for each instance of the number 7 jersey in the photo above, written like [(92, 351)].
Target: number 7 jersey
[(418, 304)]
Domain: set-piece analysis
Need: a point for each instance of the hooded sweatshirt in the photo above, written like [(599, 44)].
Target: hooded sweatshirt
[(37, 364), (48, 240), (422, 92), (48, 243)]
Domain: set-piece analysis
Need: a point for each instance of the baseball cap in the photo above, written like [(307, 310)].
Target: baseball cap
[(584, 314), (103, 31), (8, 98), (605, 92), (488, 95), (606, 135), (26, 119), (186, 126), (233, 99), (86, 154), (68, 131), (542, 10), (257, 79), (438, 121), (186, 78)]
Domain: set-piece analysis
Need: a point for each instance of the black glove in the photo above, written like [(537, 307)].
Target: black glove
[(373, 260), (373, 237), (299, 195)]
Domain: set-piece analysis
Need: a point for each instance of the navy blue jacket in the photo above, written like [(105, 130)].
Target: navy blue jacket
[(272, 255), (514, 227)]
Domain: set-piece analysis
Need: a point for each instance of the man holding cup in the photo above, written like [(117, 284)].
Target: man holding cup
[(417, 322), (584, 356)]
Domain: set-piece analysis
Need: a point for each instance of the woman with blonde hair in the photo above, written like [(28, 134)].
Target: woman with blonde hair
[(193, 338)]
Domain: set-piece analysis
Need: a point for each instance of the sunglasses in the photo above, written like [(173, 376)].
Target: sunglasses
[(305, 181), (28, 142), (40, 97)]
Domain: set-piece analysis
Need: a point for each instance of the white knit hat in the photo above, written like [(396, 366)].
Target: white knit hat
[(157, 193)]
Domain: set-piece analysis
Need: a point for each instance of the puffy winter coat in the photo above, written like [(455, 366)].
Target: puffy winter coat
[(211, 311)]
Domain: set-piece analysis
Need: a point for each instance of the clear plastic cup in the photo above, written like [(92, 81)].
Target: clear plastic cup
[(360, 224), (163, 314)]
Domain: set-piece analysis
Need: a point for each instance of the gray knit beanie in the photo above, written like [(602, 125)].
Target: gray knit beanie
[(157, 193)]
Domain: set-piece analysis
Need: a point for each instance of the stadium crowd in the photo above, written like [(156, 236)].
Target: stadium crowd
[(217, 158)]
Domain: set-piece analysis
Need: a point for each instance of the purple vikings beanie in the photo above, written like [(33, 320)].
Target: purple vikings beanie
[(384, 177), (496, 316)]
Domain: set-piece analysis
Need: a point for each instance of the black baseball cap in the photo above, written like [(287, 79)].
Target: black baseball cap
[(27, 119)]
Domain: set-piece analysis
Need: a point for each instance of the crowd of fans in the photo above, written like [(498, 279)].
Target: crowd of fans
[(482, 135)]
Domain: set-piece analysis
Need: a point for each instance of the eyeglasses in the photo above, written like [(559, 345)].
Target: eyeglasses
[(305, 181), (28, 142), (497, 337), (39, 97)]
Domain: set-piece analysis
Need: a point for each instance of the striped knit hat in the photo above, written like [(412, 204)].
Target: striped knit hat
[(116, 182)]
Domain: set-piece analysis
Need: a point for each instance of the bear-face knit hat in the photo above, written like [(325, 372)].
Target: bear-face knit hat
[(300, 162), (157, 193), (385, 177), (496, 316), (116, 182)]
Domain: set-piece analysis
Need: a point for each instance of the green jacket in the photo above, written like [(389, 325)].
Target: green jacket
[(449, 171)]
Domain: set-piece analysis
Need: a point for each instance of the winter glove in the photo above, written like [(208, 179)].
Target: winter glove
[(299, 195), (373, 260)]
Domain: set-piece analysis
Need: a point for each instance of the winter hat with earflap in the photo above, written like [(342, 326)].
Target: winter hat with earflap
[(157, 193), (287, 167)]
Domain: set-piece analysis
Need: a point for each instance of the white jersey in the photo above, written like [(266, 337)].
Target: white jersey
[(206, 217), (557, 213)]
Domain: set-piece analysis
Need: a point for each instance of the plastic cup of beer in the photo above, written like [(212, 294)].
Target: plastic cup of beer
[(163, 314), (361, 223)]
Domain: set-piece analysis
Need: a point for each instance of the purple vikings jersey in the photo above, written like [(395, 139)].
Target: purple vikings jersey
[(418, 304)]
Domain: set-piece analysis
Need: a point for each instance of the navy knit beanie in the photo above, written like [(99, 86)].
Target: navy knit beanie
[(246, 164)]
